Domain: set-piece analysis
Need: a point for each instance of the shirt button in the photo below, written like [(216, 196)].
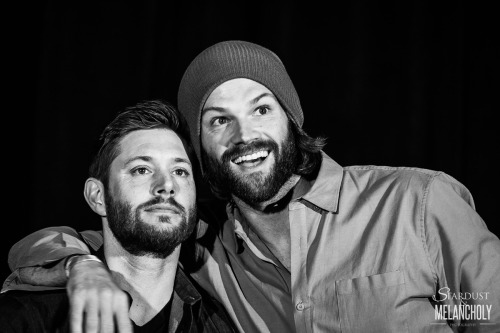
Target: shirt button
[(299, 306)]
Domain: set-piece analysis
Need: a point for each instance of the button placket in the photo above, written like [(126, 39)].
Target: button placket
[(300, 294)]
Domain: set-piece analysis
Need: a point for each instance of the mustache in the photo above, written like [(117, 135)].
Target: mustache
[(240, 150), (160, 200)]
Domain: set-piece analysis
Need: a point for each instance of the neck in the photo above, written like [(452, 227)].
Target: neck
[(279, 199), (269, 220), (148, 280)]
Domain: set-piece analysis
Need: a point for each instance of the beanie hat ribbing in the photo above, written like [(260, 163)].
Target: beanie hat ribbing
[(229, 60)]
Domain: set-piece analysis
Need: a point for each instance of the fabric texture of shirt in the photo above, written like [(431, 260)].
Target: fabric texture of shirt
[(47, 311), (370, 248)]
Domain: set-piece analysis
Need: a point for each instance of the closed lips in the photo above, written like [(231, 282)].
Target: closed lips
[(162, 208)]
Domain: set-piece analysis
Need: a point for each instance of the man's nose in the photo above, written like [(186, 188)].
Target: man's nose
[(164, 184), (243, 132)]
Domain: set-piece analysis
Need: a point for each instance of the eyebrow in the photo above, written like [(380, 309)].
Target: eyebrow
[(213, 108), (252, 102), (266, 94), (149, 159), (140, 158), (182, 160)]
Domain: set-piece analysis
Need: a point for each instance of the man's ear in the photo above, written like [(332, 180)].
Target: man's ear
[(94, 195)]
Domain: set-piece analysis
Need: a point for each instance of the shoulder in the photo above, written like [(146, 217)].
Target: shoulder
[(390, 173), (427, 185), (427, 188), (406, 180)]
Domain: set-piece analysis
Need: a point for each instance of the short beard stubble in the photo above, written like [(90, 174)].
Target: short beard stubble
[(140, 238), (256, 187)]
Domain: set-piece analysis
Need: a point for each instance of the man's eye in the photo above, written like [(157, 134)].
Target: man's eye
[(181, 172), (219, 121), (140, 171), (262, 110)]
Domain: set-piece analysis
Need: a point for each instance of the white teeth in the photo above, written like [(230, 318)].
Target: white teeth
[(254, 156)]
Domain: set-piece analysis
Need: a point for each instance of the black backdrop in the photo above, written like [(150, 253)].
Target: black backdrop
[(401, 83)]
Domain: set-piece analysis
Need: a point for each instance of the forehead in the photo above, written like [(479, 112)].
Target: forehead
[(236, 89), (159, 143)]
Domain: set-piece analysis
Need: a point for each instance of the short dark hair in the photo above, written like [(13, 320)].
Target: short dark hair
[(144, 115)]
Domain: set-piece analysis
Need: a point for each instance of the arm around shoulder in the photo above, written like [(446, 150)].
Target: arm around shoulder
[(37, 258)]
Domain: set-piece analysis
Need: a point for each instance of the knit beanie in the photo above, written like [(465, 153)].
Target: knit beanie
[(229, 60)]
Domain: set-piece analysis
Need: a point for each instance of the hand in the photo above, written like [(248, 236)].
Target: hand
[(96, 302)]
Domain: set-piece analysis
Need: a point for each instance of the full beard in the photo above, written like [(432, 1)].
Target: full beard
[(142, 239), (256, 187)]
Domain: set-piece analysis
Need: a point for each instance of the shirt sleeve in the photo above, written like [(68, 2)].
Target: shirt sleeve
[(47, 246), (463, 253)]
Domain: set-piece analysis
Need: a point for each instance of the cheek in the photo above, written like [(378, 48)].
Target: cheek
[(212, 146), (116, 192), (187, 193), (276, 132), (280, 129), (206, 142), (133, 192), (133, 197), (284, 124), (211, 140)]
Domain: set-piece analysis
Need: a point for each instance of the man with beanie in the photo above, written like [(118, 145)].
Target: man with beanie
[(308, 245)]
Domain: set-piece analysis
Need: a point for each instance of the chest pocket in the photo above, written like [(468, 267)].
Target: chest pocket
[(373, 303)]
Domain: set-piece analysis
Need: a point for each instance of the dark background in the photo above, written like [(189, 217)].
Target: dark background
[(400, 83)]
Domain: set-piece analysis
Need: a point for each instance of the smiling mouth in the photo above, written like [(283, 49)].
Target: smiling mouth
[(251, 158)]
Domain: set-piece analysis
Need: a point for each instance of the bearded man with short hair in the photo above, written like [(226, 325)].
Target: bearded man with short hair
[(141, 184)]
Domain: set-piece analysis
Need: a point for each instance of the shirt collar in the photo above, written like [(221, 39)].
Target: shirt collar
[(185, 289), (324, 191)]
